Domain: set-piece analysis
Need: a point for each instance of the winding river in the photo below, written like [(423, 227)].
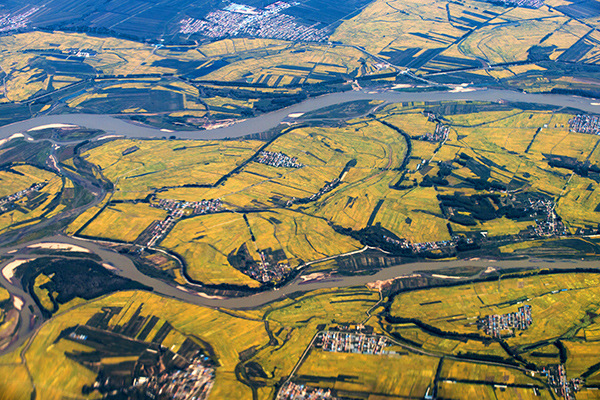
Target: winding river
[(264, 122), (259, 124)]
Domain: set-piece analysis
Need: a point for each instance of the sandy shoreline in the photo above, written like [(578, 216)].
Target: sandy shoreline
[(9, 270), (59, 246), (49, 126)]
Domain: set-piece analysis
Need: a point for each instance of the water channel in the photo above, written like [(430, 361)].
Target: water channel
[(126, 268), (264, 122)]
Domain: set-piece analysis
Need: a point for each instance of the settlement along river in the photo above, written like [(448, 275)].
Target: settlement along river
[(126, 268)]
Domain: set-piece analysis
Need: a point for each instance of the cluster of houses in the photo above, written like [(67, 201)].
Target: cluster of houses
[(10, 22), (85, 53), (239, 19), (519, 3), (6, 202), (351, 342), (264, 271), (551, 224), (179, 208), (156, 231), (494, 325), (557, 379), (421, 246), (293, 391), (585, 124), (439, 135), (278, 159), (192, 383)]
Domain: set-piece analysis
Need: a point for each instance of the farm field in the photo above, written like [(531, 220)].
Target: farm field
[(358, 175), (404, 376), (170, 163), (555, 314), (38, 204), (123, 221), (23, 177)]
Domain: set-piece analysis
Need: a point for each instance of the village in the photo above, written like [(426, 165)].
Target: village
[(7, 203), (238, 19), (557, 379), (264, 271), (585, 124), (158, 229), (10, 22), (494, 325), (192, 383), (293, 391), (351, 342), (278, 159)]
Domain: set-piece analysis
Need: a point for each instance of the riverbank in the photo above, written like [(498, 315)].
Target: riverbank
[(262, 123)]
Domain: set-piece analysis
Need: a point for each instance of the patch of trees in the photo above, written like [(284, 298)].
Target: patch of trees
[(71, 278), (435, 330), (375, 236), (570, 163), (479, 206)]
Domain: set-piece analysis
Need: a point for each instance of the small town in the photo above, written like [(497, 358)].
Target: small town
[(585, 124), (439, 135), (264, 271), (551, 224), (180, 208), (6, 202), (293, 391), (278, 159), (422, 246), (494, 325), (557, 379), (239, 19), (351, 342), (158, 230), (193, 383), (10, 22)]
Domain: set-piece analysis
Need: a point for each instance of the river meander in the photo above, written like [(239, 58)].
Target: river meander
[(264, 122), (126, 268)]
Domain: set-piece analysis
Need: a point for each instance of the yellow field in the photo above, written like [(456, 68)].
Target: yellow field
[(455, 391), (228, 336), (554, 314), (407, 375), (124, 221), (84, 217), (14, 382), (389, 24), (206, 241), (4, 294), (27, 214), (508, 43), (12, 183), (459, 370), (156, 164)]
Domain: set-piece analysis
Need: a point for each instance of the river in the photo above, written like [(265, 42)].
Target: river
[(264, 122), (127, 269), (259, 124)]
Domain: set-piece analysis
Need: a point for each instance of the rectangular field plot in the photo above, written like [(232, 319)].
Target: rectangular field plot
[(124, 221), (143, 164), (408, 375), (553, 313)]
